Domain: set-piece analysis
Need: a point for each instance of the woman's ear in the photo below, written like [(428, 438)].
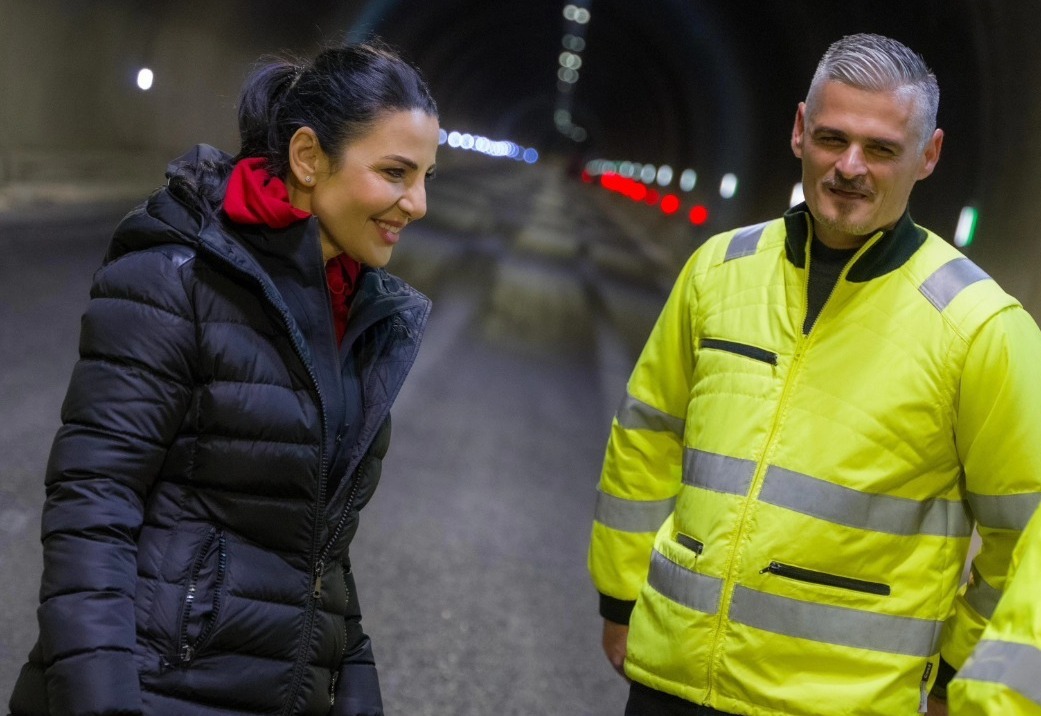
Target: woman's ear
[(306, 158)]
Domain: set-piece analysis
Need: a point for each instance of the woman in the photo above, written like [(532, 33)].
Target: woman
[(229, 412)]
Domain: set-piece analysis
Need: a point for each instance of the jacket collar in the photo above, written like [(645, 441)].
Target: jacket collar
[(886, 253)]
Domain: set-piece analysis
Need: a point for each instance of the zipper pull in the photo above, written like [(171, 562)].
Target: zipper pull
[(319, 568)]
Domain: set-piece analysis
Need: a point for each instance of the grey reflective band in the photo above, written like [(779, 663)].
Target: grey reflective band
[(1017, 666), (835, 625), (718, 473), (878, 513), (981, 596), (635, 414), (631, 515), (693, 590), (1004, 512), (948, 281), (745, 241)]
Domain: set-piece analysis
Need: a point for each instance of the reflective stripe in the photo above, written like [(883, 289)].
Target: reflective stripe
[(1017, 666), (745, 241), (1004, 512), (835, 625), (718, 473), (879, 513), (949, 280), (683, 586), (635, 414), (981, 596), (631, 515)]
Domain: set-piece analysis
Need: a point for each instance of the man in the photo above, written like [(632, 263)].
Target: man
[(827, 405), (1003, 675)]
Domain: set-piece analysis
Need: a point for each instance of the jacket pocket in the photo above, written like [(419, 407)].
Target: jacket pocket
[(742, 349), (826, 579), (202, 597)]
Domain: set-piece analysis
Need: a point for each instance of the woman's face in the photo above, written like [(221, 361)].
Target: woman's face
[(376, 187)]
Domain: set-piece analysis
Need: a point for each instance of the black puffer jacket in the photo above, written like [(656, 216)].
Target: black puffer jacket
[(195, 557)]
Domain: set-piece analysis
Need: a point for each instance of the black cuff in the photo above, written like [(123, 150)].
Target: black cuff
[(616, 610), (944, 674)]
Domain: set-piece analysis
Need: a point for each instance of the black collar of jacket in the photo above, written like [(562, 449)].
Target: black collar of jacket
[(890, 252)]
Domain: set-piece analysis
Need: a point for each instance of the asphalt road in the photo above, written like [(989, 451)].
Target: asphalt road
[(471, 557)]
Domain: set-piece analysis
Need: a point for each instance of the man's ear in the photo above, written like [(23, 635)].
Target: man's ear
[(931, 154), (305, 157), (798, 129)]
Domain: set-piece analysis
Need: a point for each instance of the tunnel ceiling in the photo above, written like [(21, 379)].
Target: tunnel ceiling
[(706, 83), (710, 84)]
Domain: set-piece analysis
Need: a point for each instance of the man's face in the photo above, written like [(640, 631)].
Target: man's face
[(861, 157)]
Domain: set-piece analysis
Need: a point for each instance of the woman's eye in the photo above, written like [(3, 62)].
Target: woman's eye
[(395, 172)]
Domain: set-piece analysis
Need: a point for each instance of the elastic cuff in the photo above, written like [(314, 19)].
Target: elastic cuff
[(944, 674), (616, 610)]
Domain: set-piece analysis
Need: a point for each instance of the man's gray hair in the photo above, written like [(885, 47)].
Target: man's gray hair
[(880, 64)]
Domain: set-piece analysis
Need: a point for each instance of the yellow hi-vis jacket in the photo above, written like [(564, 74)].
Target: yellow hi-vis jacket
[(791, 511), (1003, 675)]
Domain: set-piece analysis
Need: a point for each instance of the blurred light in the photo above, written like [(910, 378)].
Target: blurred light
[(579, 134), (647, 173), (664, 175), (966, 230), (652, 197), (573, 43), (570, 60), (688, 179), (569, 12), (797, 197), (145, 78), (530, 155), (566, 74), (454, 139), (582, 16), (442, 136), (670, 204), (587, 177), (565, 87), (698, 215), (467, 141), (728, 186), (562, 117)]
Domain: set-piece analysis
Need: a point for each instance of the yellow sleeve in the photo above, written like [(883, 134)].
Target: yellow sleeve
[(1003, 675), (999, 443), (642, 466)]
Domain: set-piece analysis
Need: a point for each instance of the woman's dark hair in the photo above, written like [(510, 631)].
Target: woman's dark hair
[(339, 94)]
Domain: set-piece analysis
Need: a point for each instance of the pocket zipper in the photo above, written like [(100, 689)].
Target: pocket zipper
[(742, 349), (830, 580)]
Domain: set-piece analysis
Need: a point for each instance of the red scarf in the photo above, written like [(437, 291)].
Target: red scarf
[(255, 197)]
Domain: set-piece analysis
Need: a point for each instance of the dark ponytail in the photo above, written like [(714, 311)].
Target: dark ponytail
[(340, 95)]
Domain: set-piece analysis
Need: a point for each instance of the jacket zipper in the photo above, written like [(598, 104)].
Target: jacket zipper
[(186, 649), (829, 580), (742, 349), (309, 617)]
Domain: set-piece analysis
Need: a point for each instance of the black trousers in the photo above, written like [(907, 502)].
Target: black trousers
[(645, 701)]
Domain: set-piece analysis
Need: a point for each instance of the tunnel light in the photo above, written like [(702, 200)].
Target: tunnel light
[(566, 74), (454, 139), (626, 169), (562, 118), (582, 16), (570, 60), (574, 43), (698, 215), (647, 173), (145, 77), (569, 12), (442, 137), (579, 134), (797, 195), (688, 179), (728, 186), (966, 230), (664, 175), (530, 155)]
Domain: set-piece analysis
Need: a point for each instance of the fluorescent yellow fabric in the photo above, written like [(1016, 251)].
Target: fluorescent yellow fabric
[(851, 454), (1003, 677)]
